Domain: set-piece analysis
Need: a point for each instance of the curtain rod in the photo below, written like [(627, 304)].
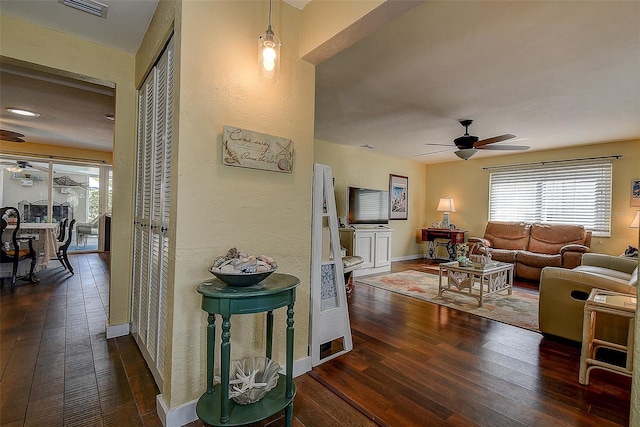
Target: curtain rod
[(543, 163), (52, 157)]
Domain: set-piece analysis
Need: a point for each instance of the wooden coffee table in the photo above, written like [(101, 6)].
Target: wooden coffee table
[(492, 278)]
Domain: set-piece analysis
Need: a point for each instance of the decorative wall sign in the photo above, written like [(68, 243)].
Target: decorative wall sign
[(635, 192), (398, 197), (248, 149)]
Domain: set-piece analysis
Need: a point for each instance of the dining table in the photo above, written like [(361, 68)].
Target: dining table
[(44, 240)]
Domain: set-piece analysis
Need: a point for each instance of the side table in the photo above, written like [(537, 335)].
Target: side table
[(442, 237), (613, 303), (278, 290)]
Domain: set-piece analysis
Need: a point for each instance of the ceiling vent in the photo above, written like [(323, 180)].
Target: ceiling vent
[(89, 6)]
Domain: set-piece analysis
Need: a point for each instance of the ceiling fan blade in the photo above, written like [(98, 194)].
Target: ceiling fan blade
[(484, 142), (439, 145), (11, 136), (434, 152), (504, 147)]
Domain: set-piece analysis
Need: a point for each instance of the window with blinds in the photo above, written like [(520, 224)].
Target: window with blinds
[(558, 192)]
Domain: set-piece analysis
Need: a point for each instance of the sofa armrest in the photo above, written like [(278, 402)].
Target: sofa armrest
[(572, 255), (575, 248), (555, 276), (623, 264)]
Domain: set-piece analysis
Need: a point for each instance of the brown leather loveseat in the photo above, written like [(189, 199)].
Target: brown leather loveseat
[(533, 246)]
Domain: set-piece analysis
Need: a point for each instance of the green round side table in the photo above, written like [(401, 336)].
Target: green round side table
[(278, 290)]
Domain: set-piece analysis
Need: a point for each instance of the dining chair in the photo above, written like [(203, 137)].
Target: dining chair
[(62, 229), (64, 246), (10, 250)]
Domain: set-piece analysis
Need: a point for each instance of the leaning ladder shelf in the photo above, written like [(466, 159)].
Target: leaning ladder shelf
[(329, 310)]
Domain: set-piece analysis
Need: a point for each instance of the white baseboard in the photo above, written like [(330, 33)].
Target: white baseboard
[(178, 416), (408, 257), (117, 330), (301, 366), (186, 413)]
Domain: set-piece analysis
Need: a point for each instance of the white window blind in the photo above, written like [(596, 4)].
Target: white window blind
[(559, 192)]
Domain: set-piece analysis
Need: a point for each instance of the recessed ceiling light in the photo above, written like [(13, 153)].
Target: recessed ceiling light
[(110, 117), (21, 112)]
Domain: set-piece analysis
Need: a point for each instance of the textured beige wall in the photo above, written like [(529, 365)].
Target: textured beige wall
[(359, 167), (329, 26), (218, 207), (468, 184), (323, 20), (27, 42), (155, 38)]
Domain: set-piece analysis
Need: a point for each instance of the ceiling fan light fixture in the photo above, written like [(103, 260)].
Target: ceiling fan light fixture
[(466, 154), (23, 112)]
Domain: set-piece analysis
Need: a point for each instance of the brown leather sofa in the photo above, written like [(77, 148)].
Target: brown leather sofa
[(533, 246), (563, 293)]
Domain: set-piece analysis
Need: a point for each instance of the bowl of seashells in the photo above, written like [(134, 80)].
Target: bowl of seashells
[(239, 269)]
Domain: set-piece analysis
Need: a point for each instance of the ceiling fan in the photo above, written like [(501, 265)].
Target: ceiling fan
[(20, 165), (468, 145), (11, 136)]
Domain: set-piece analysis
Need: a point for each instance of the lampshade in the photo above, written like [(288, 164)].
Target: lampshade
[(269, 54), (466, 154), (636, 221), (446, 205)]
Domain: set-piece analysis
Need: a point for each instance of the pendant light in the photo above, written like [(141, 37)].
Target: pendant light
[(269, 54)]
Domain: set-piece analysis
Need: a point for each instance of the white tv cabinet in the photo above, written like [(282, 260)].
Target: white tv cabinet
[(373, 244)]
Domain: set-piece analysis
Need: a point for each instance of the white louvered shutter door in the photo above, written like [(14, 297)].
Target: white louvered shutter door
[(152, 214)]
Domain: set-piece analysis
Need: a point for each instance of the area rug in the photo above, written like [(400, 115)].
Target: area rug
[(519, 309)]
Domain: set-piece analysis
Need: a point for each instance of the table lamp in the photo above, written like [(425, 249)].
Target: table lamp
[(445, 205), (636, 221)]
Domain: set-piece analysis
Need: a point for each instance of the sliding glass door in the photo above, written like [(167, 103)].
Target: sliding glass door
[(53, 191)]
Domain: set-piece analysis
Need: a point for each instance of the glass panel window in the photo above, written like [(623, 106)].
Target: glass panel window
[(78, 187), (559, 192), (25, 185)]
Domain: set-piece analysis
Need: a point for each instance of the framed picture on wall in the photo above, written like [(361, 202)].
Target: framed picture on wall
[(398, 197), (635, 192)]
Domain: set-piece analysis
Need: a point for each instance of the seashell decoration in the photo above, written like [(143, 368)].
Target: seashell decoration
[(236, 262)]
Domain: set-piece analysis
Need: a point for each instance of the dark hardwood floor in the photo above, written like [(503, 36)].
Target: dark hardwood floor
[(58, 369), (419, 364), (413, 363)]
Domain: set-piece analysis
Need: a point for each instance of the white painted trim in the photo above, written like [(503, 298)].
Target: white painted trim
[(407, 257), (186, 413), (117, 330), (178, 416), (301, 366), (370, 271)]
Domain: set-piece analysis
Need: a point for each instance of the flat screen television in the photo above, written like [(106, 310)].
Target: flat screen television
[(366, 206)]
